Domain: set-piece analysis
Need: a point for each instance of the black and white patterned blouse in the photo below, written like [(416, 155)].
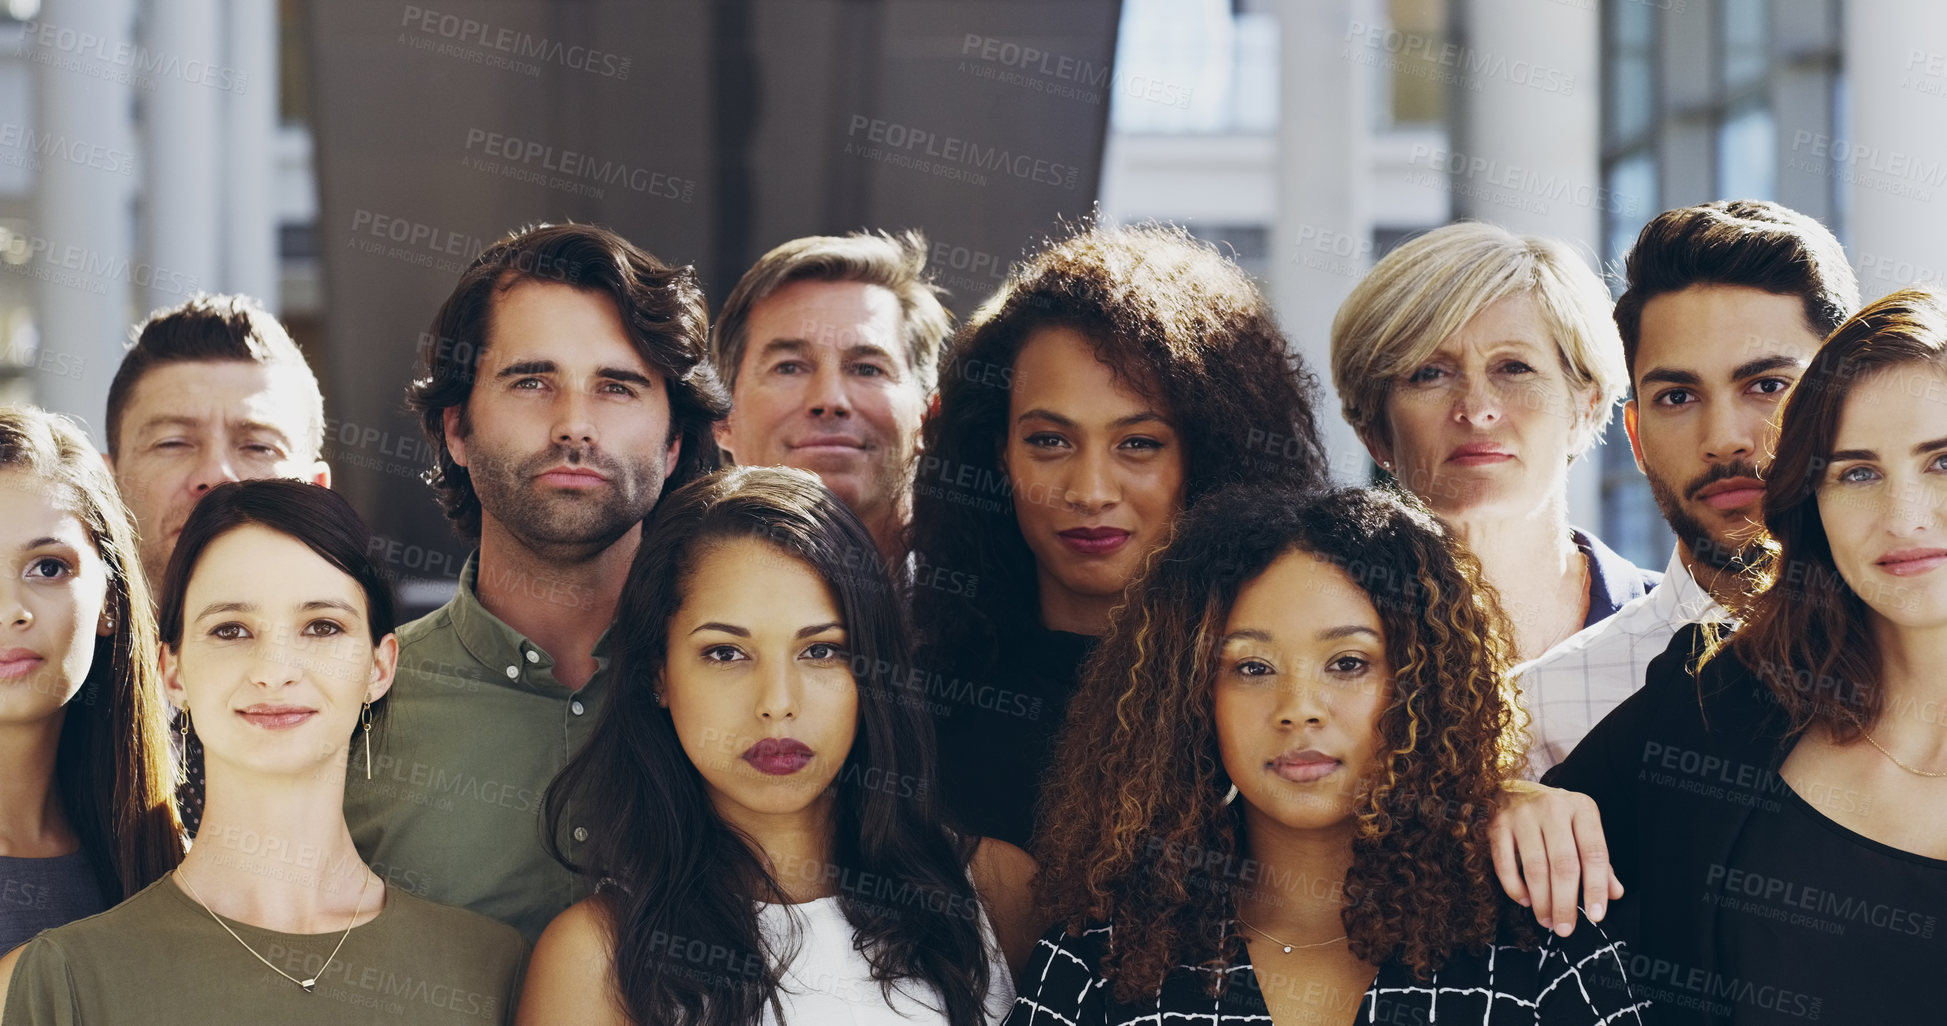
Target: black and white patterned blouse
[(1573, 981)]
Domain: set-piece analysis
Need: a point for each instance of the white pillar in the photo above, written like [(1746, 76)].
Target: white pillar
[(1891, 164), (1323, 189), (82, 211), (1528, 105), (182, 211), (250, 261)]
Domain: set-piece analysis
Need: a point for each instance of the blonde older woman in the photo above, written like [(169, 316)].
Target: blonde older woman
[(1476, 366)]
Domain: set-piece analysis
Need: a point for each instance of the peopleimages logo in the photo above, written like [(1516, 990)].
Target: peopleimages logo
[(62, 47), (515, 42), (894, 138)]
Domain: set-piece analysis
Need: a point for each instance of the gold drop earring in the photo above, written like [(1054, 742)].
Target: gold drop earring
[(365, 717), (182, 762)]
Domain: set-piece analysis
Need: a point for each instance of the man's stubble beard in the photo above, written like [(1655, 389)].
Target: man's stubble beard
[(561, 525), (1705, 547)]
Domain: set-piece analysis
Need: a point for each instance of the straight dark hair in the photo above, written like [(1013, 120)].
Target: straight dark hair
[(669, 863), (309, 513), (1750, 243), (1802, 622), (661, 306), (111, 766)]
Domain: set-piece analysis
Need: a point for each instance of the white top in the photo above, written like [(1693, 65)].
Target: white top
[(829, 981), (1568, 689)]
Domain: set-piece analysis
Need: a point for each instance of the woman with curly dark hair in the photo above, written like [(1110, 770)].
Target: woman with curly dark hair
[(1120, 374), (1271, 800)]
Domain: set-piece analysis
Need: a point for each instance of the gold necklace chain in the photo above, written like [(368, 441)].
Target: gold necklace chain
[(306, 984), (1896, 759), (1289, 948)]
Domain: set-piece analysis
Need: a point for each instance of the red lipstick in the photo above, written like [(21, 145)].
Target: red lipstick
[(778, 756)]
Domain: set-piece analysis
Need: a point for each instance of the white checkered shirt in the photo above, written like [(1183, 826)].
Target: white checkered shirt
[(1568, 689)]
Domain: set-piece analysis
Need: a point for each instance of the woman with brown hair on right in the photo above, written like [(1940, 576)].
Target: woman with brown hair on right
[(85, 813), (1780, 811), (1271, 800)]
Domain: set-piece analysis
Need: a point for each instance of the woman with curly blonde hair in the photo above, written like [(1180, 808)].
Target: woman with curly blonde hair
[(1272, 796)]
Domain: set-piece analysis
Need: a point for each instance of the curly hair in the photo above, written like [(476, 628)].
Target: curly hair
[(1804, 631), (1179, 323), (1135, 830)]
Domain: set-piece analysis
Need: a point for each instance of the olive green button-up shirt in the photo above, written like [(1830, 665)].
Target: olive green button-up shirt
[(476, 728)]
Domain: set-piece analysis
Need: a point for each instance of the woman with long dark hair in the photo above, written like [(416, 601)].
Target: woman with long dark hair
[(85, 815), (1120, 374), (278, 648), (759, 793), (1779, 809), (1271, 798)]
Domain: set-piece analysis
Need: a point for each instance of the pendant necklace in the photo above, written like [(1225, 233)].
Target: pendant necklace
[(311, 983)]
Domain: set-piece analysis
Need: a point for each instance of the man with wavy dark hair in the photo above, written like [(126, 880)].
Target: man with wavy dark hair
[(1726, 304), (565, 387)]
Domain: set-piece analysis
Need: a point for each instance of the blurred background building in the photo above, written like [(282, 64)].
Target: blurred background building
[(153, 148)]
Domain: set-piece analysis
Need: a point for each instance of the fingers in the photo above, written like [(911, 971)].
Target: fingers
[(1597, 878), (1507, 866), (1531, 844)]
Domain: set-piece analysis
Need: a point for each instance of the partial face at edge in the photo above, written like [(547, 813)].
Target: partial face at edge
[(53, 601), (1884, 495)]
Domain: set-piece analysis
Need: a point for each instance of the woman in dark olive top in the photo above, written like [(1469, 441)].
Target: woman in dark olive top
[(278, 647), (1117, 376), (1781, 813), (1271, 799), (85, 816)]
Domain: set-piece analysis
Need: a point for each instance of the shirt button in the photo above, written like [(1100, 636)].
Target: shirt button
[(513, 672), (533, 656), (581, 833), (575, 707)]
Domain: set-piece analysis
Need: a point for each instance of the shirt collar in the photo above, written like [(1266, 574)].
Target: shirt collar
[(1681, 599), (1613, 580), (506, 653)]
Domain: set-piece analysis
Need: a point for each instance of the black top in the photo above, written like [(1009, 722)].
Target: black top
[(1564, 982), (41, 894), (997, 730), (1748, 905)]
